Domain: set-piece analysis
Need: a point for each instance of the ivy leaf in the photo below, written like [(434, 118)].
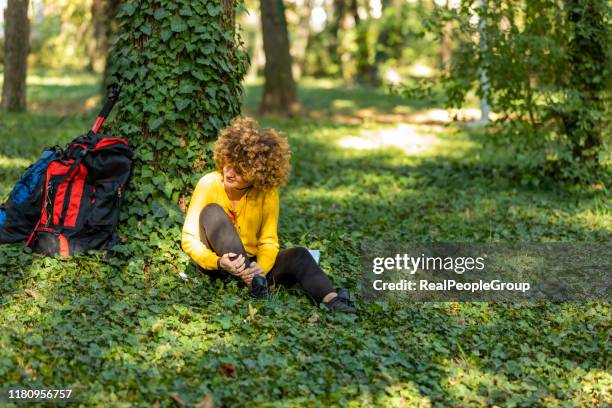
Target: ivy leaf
[(165, 35), (178, 24), (154, 123), (208, 48), (213, 9), (160, 14), (146, 29), (181, 103), (129, 8), (198, 74)]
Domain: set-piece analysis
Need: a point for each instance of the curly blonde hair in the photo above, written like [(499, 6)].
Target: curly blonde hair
[(261, 156)]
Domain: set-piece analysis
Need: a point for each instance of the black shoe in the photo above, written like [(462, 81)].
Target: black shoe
[(343, 293), (341, 303), (259, 287)]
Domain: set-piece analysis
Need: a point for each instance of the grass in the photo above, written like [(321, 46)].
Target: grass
[(128, 332)]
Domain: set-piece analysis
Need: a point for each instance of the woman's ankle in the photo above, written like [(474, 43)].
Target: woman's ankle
[(329, 297)]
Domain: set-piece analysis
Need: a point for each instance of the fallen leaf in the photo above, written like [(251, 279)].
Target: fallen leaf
[(207, 402), (314, 318), (32, 293), (228, 370), (252, 312), (178, 400)]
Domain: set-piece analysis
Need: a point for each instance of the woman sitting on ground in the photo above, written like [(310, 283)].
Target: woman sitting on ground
[(232, 220)]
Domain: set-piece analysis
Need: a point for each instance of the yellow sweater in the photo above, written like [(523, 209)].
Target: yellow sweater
[(256, 221)]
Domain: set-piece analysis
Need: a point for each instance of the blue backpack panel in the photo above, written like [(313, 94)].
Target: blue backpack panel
[(19, 215)]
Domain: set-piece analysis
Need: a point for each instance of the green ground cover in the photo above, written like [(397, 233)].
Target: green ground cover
[(129, 332)]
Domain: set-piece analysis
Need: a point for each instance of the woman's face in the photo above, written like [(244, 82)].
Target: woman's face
[(232, 179)]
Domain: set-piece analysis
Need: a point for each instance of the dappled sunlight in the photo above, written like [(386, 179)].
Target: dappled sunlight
[(412, 139), (596, 382), (343, 104), (419, 69), (347, 112), (443, 116), (317, 194), (65, 107), (404, 394), (65, 80), (13, 162)]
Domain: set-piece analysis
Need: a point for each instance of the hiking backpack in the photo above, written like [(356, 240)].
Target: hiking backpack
[(69, 200), (82, 196)]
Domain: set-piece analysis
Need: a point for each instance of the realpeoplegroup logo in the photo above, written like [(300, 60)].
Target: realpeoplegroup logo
[(486, 272)]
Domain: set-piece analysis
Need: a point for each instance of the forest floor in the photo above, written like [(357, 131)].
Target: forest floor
[(130, 332)]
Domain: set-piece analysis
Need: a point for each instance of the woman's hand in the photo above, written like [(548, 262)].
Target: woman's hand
[(235, 267), (256, 269), (249, 273)]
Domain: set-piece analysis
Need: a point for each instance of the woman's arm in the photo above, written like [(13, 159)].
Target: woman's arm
[(191, 241), (267, 245)]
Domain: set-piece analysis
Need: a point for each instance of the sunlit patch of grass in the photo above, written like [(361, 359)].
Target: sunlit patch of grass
[(72, 80), (13, 161)]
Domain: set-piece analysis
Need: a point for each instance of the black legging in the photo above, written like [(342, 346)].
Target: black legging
[(293, 265)]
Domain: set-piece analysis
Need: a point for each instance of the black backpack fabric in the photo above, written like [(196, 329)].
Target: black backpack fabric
[(81, 196)]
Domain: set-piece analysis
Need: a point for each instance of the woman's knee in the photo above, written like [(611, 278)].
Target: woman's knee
[(301, 253), (211, 211)]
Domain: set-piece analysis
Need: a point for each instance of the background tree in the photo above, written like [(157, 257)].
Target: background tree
[(62, 35), (108, 29), (16, 48), (447, 39), (335, 24), (99, 44), (280, 93), (302, 34), (364, 71)]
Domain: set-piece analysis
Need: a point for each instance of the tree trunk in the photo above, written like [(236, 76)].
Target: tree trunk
[(99, 44), (280, 94), (16, 48), (302, 33), (381, 55), (446, 46), (110, 30), (485, 108), (365, 70), (258, 59), (335, 49)]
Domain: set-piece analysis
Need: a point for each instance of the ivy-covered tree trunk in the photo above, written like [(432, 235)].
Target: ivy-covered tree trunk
[(280, 94), (182, 65), (16, 48)]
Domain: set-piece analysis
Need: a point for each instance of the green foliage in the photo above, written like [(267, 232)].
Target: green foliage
[(395, 40), (548, 68), (127, 331), (61, 35), (182, 67)]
